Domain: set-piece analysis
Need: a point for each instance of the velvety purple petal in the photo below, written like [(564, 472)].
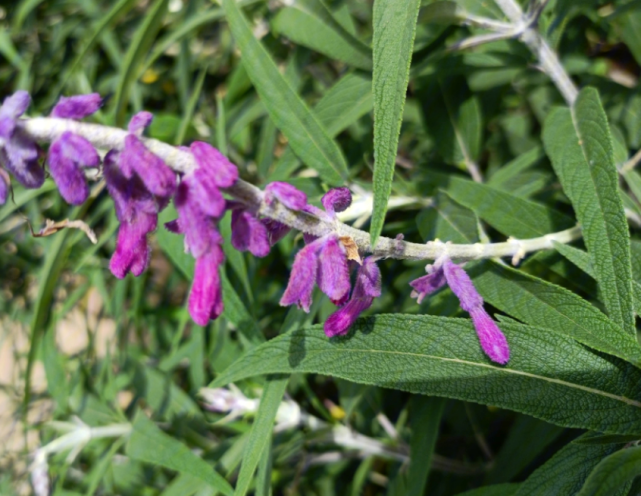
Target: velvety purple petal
[(4, 186), (68, 177), (248, 233), (275, 230), (157, 177), (15, 105), (200, 231), (302, 278), (492, 340), (20, 157), (337, 199), (139, 122), (77, 106), (368, 280), (461, 285), (333, 274), (287, 194), (205, 297), (207, 195), (428, 284), (214, 163), (7, 126), (309, 238), (79, 150), (341, 320), (132, 250)]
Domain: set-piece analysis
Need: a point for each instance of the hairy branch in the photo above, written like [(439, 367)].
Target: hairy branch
[(49, 128)]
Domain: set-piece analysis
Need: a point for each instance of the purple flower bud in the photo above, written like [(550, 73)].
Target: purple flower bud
[(67, 155), (205, 297), (287, 194), (248, 233), (4, 186), (333, 274), (214, 164), (492, 340), (302, 279), (461, 285), (139, 122), (275, 230), (367, 287), (157, 177), (337, 200), (428, 284), (77, 107)]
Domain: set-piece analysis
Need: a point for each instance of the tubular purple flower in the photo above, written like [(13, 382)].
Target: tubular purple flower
[(205, 297), (428, 284), (158, 178), (302, 279), (213, 164), (367, 287), (139, 122), (18, 153), (333, 274), (248, 233), (77, 106), (462, 286), (337, 200), (67, 155), (287, 194), (136, 209)]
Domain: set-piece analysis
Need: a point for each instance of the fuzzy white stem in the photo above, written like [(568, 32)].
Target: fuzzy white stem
[(48, 128)]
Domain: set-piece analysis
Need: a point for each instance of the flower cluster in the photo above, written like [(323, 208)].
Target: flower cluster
[(444, 271), (141, 185)]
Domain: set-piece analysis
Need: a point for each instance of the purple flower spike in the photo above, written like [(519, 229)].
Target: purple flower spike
[(337, 200), (368, 287), (213, 163), (287, 194), (67, 155), (158, 178), (428, 284), (139, 122), (77, 107), (205, 297), (333, 274), (248, 233), (302, 279), (492, 340)]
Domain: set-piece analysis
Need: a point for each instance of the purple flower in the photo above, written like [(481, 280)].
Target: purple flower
[(214, 164), (137, 211), (70, 153), (135, 158), (367, 287), (323, 261), (287, 194), (205, 297), (67, 156), (77, 106), (18, 153), (275, 230), (492, 340), (249, 233), (337, 200)]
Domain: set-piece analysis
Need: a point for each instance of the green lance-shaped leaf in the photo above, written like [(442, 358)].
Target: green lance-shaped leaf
[(311, 24), (149, 444), (579, 144), (613, 473), (493, 490), (447, 220), (566, 471), (306, 135), (549, 375), (542, 304), (394, 30)]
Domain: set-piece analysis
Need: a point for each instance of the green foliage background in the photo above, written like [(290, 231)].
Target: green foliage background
[(289, 91)]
